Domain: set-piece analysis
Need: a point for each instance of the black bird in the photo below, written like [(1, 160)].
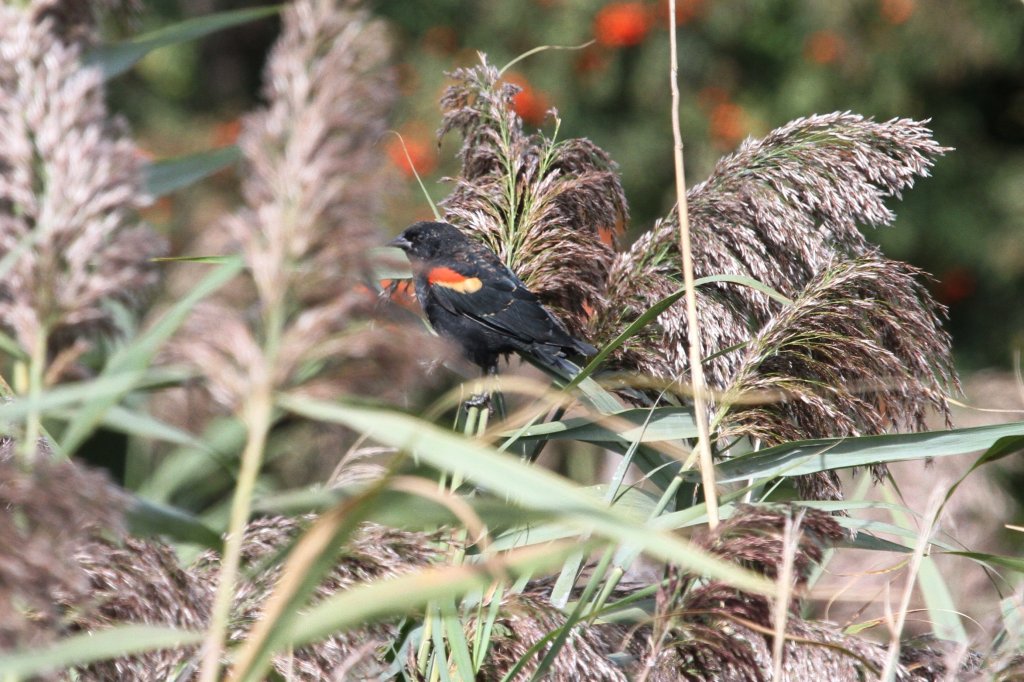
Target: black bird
[(471, 297)]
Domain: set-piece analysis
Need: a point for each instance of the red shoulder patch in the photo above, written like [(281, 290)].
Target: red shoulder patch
[(450, 279), (444, 275)]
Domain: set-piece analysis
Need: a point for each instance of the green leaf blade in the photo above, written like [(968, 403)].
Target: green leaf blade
[(90, 647), (169, 175), (119, 58)]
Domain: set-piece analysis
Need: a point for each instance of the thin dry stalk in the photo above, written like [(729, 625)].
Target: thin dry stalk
[(896, 623), (707, 465), (784, 591)]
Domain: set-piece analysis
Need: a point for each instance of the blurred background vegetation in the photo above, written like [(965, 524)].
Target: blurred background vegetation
[(746, 67)]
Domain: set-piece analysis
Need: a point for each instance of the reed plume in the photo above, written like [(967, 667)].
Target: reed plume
[(780, 210), (47, 516), (550, 209), (313, 181), (71, 187), (860, 352)]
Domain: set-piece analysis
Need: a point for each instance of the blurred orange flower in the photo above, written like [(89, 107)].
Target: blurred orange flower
[(226, 133), (531, 104), (622, 24), (897, 11), (824, 47), (727, 125), (417, 154)]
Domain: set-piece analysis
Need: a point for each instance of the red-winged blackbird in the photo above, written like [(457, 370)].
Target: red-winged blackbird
[(471, 297)]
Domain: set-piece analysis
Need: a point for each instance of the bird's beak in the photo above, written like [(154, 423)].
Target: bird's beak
[(400, 242)]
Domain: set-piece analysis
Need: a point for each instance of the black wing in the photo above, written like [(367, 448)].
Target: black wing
[(504, 305)]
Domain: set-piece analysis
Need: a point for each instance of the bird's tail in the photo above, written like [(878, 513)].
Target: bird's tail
[(555, 362), (584, 348)]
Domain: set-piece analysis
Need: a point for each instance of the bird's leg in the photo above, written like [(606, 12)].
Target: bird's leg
[(482, 398)]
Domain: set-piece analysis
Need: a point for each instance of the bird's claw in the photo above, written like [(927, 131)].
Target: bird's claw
[(479, 401)]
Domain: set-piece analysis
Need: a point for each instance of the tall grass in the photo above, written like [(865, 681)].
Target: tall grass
[(438, 550)]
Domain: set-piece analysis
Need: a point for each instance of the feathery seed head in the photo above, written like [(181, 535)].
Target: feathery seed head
[(861, 351), (549, 209), (70, 188), (48, 514), (313, 181), (780, 210)]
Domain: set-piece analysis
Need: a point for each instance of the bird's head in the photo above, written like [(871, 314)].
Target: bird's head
[(426, 241)]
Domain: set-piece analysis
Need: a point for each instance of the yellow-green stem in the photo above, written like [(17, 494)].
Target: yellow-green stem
[(668, 495), (475, 425), (614, 578), (36, 367), (258, 414), (619, 571), (423, 654)]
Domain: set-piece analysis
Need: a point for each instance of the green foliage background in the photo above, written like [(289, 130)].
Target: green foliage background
[(746, 67)]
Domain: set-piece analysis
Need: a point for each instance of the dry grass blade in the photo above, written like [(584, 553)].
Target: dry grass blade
[(549, 209), (897, 621), (783, 598), (703, 447)]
